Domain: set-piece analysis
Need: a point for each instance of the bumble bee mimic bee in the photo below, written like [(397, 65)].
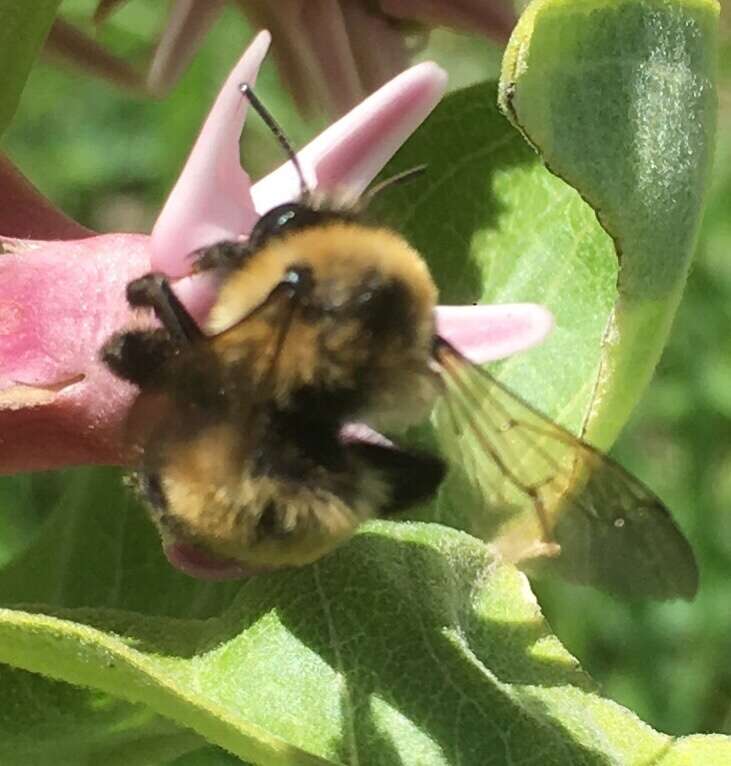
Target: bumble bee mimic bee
[(323, 320)]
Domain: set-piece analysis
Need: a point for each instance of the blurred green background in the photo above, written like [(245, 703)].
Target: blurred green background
[(108, 159)]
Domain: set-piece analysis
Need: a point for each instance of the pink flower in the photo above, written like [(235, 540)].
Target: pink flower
[(62, 289), (330, 53)]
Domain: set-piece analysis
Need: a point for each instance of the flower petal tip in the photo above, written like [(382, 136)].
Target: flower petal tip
[(260, 44), (211, 200), (431, 76), (487, 333)]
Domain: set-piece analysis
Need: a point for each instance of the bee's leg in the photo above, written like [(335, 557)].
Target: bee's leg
[(154, 291), (139, 356), (413, 476), (225, 256)]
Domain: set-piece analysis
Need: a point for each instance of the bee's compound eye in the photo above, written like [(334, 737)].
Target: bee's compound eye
[(281, 220), (287, 218)]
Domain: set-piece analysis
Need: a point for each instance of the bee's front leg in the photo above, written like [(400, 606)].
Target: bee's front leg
[(153, 291), (226, 255), (139, 356)]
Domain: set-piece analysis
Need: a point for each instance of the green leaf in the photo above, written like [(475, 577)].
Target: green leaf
[(407, 646), (619, 98), (49, 723), (23, 28), (24, 503), (208, 756)]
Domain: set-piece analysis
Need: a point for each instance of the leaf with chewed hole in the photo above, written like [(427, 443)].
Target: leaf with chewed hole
[(619, 99)]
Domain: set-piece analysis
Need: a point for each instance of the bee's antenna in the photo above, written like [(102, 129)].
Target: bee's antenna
[(272, 124), (402, 177)]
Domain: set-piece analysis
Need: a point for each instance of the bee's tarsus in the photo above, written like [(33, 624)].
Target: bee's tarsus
[(226, 255), (153, 291), (412, 476)]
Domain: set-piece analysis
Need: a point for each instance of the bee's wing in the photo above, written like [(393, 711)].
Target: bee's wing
[(556, 496)]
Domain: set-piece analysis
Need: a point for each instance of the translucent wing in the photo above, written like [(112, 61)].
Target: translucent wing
[(552, 495)]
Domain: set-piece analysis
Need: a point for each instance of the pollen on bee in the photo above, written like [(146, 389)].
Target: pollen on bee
[(220, 495)]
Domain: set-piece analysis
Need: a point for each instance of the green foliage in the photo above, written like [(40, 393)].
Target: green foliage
[(461, 663), (469, 217), (619, 97), (23, 27), (679, 442), (408, 645)]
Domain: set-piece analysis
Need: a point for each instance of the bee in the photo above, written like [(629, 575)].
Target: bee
[(322, 319)]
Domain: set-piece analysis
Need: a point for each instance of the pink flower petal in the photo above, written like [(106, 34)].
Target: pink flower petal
[(198, 293), (59, 302), (486, 333), (351, 152), (211, 200)]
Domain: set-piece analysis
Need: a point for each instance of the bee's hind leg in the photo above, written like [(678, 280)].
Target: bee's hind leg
[(412, 476), (153, 291)]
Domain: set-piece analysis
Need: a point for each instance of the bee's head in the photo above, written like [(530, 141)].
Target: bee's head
[(290, 217), (316, 209), (323, 305)]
